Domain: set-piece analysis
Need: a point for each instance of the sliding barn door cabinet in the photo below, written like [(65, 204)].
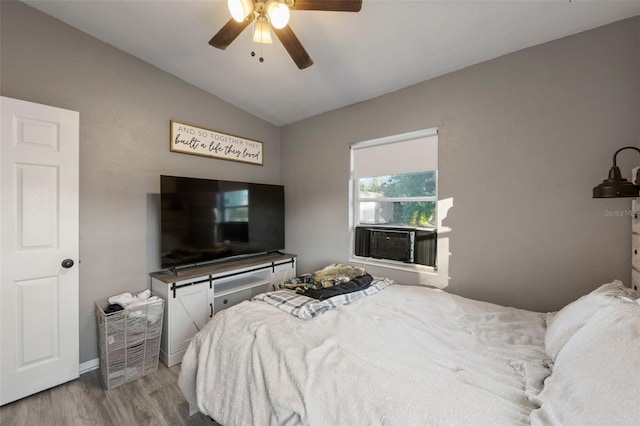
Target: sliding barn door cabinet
[(194, 295)]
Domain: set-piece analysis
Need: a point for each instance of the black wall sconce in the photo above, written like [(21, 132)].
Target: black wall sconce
[(615, 185)]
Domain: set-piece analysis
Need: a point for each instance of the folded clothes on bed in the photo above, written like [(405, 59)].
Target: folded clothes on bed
[(356, 284), (326, 277)]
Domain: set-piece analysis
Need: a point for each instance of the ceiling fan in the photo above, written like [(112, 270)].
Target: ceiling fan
[(275, 14)]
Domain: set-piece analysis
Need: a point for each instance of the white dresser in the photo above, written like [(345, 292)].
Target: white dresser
[(195, 295)]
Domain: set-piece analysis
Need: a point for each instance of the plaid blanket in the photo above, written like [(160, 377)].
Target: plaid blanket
[(305, 307)]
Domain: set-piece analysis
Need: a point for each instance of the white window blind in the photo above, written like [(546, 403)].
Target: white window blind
[(406, 153)]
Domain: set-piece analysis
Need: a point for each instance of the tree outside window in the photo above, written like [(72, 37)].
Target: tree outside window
[(407, 199)]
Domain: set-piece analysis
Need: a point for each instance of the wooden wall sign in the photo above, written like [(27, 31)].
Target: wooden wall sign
[(189, 139)]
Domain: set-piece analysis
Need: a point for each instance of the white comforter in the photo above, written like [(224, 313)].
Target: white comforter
[(407, 355)]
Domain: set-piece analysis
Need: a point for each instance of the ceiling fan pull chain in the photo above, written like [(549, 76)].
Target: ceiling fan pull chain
[(253, 53)]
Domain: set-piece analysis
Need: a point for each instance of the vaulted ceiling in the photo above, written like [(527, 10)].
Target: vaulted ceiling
[(388, 45)]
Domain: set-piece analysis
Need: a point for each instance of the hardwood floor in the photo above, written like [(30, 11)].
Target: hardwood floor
[(154, 399)]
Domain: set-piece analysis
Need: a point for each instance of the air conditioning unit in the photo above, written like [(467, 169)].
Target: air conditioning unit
[(400, 244), (394, 245)]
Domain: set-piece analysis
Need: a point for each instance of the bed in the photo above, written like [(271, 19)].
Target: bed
[(405, 355)]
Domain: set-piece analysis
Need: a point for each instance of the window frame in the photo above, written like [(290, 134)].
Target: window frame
[(355, 200)]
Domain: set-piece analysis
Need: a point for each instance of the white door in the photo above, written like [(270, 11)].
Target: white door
[(39, 344)]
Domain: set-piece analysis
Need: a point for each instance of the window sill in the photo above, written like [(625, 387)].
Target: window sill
[(391, 264)]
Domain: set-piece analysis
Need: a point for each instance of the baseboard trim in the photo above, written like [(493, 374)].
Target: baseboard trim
[(92, 364)]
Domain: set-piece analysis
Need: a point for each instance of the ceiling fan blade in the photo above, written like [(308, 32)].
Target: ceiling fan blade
[(294, 47), (328, 5), (229, 32)]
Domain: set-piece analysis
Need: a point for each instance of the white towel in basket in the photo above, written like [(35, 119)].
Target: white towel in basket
[(126, 299), (132, 305)]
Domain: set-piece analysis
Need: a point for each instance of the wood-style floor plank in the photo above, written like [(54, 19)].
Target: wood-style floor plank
[(154, 399)]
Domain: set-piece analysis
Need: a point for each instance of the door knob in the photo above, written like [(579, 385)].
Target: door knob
[(67, 263)]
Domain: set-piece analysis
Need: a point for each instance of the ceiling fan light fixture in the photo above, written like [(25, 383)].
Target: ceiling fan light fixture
[(262, 33), (275, 13), (240, 9), (278, 14)]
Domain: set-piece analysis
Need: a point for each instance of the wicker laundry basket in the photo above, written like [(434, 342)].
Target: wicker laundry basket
[(128, 341)]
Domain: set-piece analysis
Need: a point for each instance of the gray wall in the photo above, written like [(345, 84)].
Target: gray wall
[(125, 106), (523, 140)]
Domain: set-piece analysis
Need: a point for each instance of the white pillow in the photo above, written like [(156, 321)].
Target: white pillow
[(596, 376), (572, 317)]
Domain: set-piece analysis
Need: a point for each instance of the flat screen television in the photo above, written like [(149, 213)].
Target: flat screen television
[(205, 220)]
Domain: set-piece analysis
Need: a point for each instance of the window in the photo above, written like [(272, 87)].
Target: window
[(407, 199), (235, 206), (235, 216), (394, 194)]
